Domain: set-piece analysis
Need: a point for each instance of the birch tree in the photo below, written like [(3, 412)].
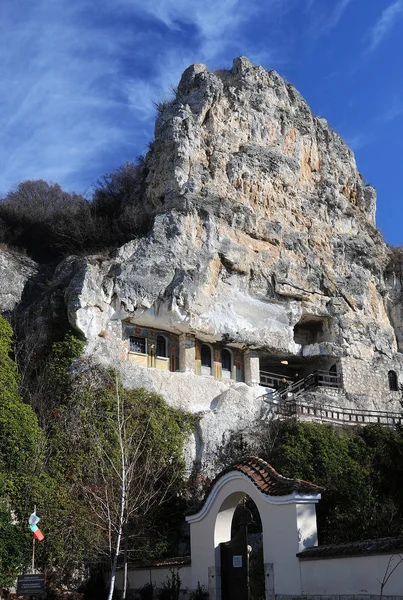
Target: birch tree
[(139, 464)]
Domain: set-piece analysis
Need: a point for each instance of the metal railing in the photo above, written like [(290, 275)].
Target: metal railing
[(272, 380), (292, 390)]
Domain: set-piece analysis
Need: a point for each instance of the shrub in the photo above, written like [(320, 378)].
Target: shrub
[(171, 587), (200, 593), (146, 592)]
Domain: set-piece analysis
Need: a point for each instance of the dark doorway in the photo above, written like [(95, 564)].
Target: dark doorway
[(393, 382), (161, 346), (205, 356), (242, 571), (234, 566)]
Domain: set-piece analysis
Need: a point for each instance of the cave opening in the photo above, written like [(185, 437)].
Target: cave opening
[(312, 329)]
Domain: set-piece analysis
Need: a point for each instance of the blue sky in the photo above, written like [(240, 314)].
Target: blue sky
[(79, 78)]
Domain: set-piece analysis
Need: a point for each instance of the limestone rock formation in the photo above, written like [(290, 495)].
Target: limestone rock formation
[(261, 221), (262, 240), (15, 271)]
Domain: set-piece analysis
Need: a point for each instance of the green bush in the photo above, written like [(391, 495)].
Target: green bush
[(360, 469)]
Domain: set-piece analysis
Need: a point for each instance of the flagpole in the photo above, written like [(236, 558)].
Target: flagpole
[(33, 547)]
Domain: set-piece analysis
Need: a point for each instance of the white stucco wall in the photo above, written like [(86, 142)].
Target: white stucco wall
[(353, 575), (156, 576), (289, 526)]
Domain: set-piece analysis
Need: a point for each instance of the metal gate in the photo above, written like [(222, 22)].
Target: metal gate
[(234, 567)]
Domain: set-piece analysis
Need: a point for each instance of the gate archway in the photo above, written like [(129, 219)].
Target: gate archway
[(287, 511)]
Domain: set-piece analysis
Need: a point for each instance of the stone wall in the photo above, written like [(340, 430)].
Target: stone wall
[(367, 381)]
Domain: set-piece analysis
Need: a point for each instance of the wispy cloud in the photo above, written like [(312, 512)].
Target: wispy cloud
[(213, 21), (81, 82), (324, 22), (357, 140), (384, 24), (392, 112), (57, 114), (337, 13)]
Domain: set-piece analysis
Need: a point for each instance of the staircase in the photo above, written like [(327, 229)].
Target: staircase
[(291, 391), (285, 403)]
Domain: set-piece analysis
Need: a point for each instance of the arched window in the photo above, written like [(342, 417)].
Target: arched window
[(333, 370), (393, 383), (206, 359), (226, 364), (162, 346), (205, 355)]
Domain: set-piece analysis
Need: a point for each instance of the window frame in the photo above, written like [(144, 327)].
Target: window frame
[(393, 381), (138, 337), (205, 367), (160, 335), (231, 362)]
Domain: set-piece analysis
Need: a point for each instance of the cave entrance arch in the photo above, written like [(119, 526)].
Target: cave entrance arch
[(287, 511)]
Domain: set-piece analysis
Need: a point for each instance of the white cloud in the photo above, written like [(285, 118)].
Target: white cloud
[(384, 24), (339, 9), (210, 17), (324, 22), (217, 24), (394, 111), (55, 112), (80, 83), (358, 140)]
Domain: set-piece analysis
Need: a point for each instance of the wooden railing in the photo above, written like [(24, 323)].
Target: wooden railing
[(348, 416), (327, 379), (285, 403)]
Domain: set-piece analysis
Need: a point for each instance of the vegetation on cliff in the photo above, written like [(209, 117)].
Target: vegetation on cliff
[(360, 468), (21, 446), (48, 223), (70, 467)]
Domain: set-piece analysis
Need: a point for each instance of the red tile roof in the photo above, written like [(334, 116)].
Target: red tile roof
[(267, 480), (362, 548)]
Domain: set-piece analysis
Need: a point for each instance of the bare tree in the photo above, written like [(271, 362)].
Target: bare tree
[(132, 479), (390, 569)]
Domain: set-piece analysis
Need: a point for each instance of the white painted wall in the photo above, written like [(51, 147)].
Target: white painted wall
[(289, 526), (352, 575), (157, 576)]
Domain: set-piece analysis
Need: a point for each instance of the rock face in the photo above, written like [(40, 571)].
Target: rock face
[(15, 271), (261, 220), (263, 238)]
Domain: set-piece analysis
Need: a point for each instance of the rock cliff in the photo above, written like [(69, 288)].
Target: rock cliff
[(262, 236), (261, 220), (15, 271)]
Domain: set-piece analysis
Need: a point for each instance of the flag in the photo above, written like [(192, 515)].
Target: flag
[(33, 525), (33, 519), (38, 535)]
